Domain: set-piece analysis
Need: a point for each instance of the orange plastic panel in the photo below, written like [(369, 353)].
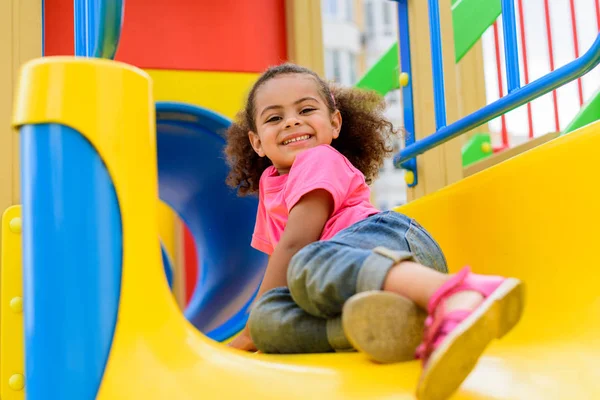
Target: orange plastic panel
[(200, 35)]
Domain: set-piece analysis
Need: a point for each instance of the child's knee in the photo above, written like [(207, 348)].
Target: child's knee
[(263, 320), (301, 265), (300, 271)]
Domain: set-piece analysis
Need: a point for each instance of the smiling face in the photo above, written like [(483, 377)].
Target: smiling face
[(291, 116)]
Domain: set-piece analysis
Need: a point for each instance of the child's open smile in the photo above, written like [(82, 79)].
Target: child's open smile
[(291, 116)]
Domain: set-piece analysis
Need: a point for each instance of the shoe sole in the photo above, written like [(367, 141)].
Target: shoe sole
[(385, 326), (453, 361)]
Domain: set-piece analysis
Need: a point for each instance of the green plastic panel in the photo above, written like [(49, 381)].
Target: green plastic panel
[(383, 75), (589, 113), (470, 18)]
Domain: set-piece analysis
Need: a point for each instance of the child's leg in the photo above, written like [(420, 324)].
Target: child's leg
[(306, 317), (278, 325), (324, 275), (466, 312)]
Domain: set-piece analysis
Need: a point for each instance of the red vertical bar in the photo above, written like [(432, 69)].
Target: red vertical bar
[(551, 57), (500, 88), (525, 64), (191, 263), (576, 45)]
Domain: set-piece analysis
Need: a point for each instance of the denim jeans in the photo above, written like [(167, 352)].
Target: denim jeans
[(305, 317)]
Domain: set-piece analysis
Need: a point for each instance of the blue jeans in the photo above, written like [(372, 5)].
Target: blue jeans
[(305, 317)]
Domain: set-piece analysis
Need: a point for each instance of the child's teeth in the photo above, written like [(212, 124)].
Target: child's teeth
[(297, 139)]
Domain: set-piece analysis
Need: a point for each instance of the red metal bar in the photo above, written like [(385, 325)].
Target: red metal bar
[(190, 263), (551, 57), (576, 45), (500, 88), (598, 13), (525, 64)]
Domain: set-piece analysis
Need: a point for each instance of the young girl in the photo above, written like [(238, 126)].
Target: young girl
[(341, 274)]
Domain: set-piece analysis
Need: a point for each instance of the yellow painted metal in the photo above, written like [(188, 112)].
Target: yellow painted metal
[(12, 366), (222, 92), (514, 219)]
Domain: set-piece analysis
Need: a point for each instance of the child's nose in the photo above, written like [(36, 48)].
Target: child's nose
[(292, 121)]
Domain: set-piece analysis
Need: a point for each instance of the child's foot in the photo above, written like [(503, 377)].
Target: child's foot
[(385, 326), (455, 338)]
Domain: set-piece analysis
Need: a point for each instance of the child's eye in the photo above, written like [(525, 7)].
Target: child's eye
[(306, 110), (273, 119)]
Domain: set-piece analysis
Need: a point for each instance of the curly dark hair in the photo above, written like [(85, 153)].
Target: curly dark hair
[(363, 140)]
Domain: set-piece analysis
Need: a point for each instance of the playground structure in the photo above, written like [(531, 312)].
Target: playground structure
[(154, 352), (471, 19)]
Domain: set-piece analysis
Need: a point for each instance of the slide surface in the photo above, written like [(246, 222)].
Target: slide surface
[(511, 219)]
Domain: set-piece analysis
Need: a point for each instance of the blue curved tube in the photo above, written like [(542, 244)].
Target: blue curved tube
[(191, 174)]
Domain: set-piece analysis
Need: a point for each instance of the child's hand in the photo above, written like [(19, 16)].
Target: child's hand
[(243, 341)]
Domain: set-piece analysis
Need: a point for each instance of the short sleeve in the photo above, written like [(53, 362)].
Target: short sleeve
[(321, 167), (260, 237)]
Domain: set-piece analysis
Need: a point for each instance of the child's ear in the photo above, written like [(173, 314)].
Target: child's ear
[(336, 123), (256, 143)]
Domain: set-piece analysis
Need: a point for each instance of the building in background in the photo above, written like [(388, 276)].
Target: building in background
[(342, 40), (356, 33)]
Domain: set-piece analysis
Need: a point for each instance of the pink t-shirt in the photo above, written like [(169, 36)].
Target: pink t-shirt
[(320, 167)]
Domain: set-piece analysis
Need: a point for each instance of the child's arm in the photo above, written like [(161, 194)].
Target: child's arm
[(305, 225)]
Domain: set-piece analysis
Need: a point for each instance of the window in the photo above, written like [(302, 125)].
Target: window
[(389, 10), (337, 67), (369, 19), (328, 64), (352, 68), (349, 10), (387, 13), (393, 98), (333, 65), (330, 7)]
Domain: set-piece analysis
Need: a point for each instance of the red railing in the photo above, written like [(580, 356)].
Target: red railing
[(525, 61)]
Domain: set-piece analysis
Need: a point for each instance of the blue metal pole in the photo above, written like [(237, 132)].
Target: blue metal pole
[(437, 64), (407, 94), (84, 27), (511, 50), (537, 88), (98, 27)]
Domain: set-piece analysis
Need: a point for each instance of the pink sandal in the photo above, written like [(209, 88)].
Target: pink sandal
[(454, 341)]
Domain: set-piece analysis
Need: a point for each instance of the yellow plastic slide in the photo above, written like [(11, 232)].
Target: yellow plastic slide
[(535, 217)]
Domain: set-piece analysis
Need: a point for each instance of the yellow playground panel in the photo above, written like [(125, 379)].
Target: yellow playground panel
[(513, 219), (12, 366)]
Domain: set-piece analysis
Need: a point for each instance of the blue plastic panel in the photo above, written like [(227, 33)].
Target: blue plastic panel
[(72, 253), (192, 172)]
